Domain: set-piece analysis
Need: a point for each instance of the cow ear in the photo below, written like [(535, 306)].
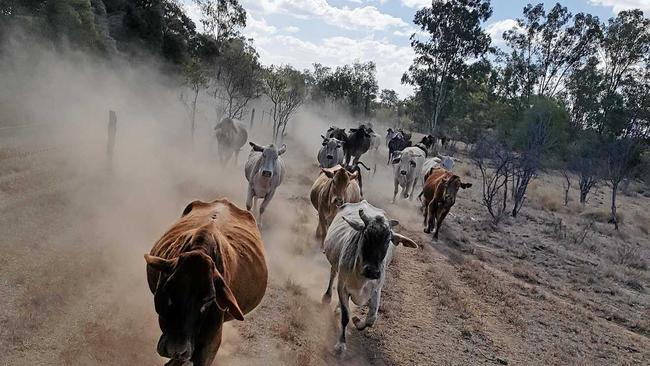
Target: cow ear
[(465, 185), (401, 239), (225, 299), (256, 147), (283, 149), (393, 223), (161, 264), (354, 224), (328, 173), (396, 160), (353, 176)]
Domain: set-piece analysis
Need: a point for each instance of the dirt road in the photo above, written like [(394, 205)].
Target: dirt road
[(73, 287)]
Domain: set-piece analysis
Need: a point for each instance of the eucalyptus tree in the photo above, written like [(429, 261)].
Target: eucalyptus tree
[(454, 34)]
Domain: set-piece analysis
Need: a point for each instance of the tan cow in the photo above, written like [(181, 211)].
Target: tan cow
[(439, 193), (208, 268), (333, 187)]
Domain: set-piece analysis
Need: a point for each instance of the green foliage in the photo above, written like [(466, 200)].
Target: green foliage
[(354, 84), (285, 87), (455, 34)]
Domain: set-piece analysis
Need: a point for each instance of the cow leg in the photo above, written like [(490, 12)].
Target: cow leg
[(431, 215), (396, 183), (373, 309), (413, 189), (344, 303), (320, 230), (265, 203), (425, 212), (327, 297), (249, 198), (441, 217)]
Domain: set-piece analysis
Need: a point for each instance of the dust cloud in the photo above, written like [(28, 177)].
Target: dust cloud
[(74, 227)]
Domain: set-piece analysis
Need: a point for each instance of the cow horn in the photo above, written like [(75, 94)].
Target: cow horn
[(161, 264), (401, 239), (364, 217), (354, 224)]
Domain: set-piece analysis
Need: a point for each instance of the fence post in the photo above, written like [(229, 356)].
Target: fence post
[(252, 118), (112, 130)]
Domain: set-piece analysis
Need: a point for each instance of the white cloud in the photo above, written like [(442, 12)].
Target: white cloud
[(291, 29), (258, 26), (416, 3), (620, 5), (496, 29), (363, 17), (391, 60)]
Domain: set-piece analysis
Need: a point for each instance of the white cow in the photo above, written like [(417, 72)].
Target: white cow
[(359, 246), (440, 161), (264, 172), (331, 153), (408, 165)]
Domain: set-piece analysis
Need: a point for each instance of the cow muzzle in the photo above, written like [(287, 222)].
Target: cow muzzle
[(371, 273), (330, 157), (337, 201), (402, 172), (181, 351), (266, 173)]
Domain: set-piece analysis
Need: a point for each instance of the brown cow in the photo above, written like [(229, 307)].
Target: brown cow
[(208, 268), (439, 192), (333, 187)]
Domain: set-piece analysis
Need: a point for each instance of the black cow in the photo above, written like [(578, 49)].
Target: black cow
[(426, 144), (398, 143), (337, 133), (357, 144), (355, 168)]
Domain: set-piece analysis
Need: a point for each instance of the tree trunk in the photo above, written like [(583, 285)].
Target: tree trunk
[(196, 95), (614, 220)]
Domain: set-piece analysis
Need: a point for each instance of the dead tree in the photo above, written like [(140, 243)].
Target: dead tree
[(495, 163), (566, 174), (622, 154), (529, 161)]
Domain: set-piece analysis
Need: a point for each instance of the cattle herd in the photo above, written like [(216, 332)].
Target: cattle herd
[(210, 267)]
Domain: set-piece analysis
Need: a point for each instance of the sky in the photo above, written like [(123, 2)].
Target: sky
[(338, 32)]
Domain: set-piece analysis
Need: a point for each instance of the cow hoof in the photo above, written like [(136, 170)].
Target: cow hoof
[(340, 348), (358, 323), (426, 230)]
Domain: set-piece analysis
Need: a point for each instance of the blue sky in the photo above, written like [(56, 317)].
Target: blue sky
[(336, 32)]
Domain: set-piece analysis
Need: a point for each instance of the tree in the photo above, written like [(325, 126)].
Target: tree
[(355, 85), (285, 87), (546, 48), (222, 18), (455, 35), (389, 98), (240, 79), (195, 77)]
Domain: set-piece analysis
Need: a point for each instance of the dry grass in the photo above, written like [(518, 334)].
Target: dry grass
[(522, 272), (546, 197), (493, 290), (642, 222), (603, 216), (467, 171), (630, 256)]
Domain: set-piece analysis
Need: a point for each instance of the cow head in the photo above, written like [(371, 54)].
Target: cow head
[(270, 156), (406, 164), (340, 181), (362, 131), (190, 293), (450, 186), (376, 236), (332, 147), (337, 133)]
